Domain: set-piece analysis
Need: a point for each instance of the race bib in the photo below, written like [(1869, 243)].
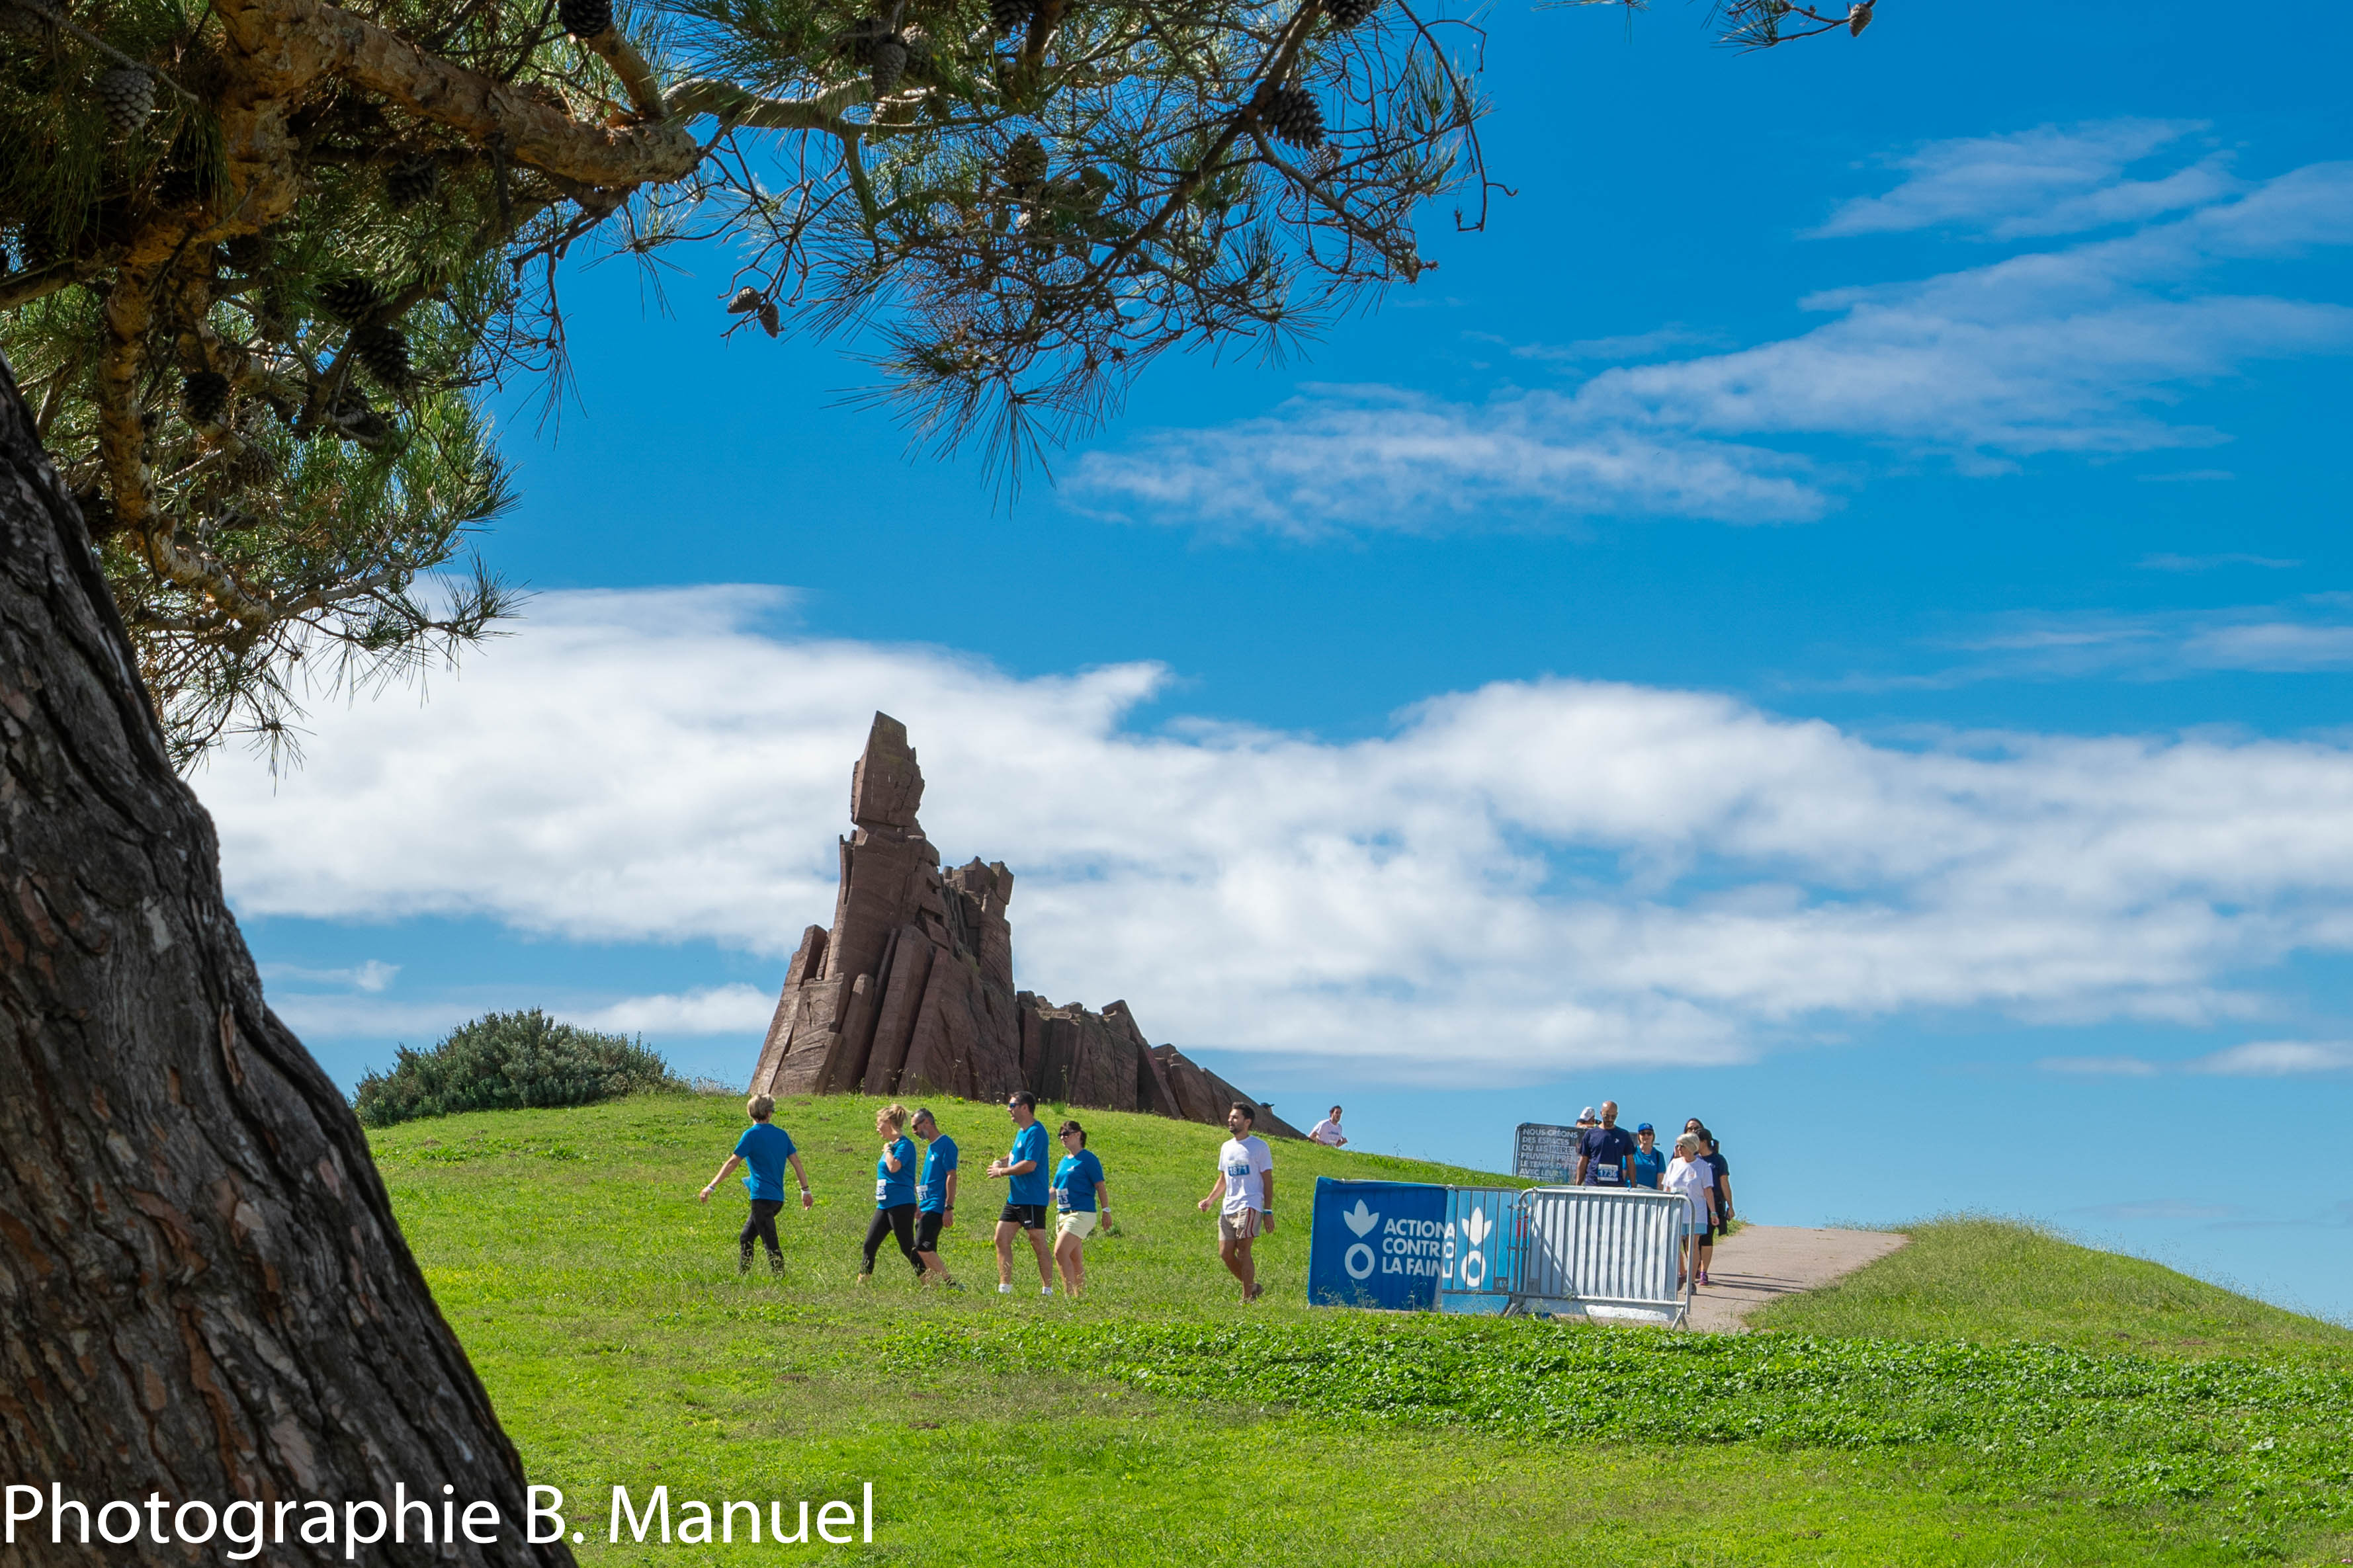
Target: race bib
[(881, 1188), (1606, 1175), (1237, 1172), (1062, 1199)]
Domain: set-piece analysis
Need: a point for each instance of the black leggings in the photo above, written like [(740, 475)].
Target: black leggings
[(899, 1219), (762, 1226)]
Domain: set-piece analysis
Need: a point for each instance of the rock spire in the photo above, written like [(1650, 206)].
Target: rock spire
[(911, 990)]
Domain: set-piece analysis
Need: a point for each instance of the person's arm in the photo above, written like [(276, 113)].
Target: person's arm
[(1727, 1198), (948, 1206), (733, 1161), (1217, 1191), (1583, 1160), (1338, 1138), (891, 1156), (1103, 1201), (1626, 1170), (794, 1160), (1266, 1192)]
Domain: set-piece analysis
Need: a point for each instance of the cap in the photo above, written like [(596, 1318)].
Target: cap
[(1646, 1126), (1587, 1113)]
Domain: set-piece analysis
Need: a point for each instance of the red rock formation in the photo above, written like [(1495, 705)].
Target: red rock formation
[(910, 991)]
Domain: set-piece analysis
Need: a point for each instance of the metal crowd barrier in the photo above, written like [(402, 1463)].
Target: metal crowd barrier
[(1607, 1252)]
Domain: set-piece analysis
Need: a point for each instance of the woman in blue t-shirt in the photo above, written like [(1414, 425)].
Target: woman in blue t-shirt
[(894, 1192), (1081, 1197)]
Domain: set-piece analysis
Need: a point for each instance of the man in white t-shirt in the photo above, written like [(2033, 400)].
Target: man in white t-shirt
[(1327, 1132), (1244, 1193)]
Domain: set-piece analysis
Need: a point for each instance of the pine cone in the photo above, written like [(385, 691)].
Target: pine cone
[(249, 252), (1858, 17), (1009, 16), (351, 300), (384, 351), (411, 181), (19, 21), (128, 95), (1025, 164), (97, 514), (586, 18), (859, 39), (889, 64), (1346, 14), (205, 395), (747, 298), (769, 319), (254, 464), (1295, 116)]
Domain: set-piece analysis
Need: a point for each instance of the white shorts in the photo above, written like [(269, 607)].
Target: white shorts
[(1080, 1223)]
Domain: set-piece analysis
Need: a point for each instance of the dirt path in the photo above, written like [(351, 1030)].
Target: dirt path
[(1766, 1262)]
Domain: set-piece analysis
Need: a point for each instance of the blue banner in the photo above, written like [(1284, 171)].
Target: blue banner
[(1377, 1244)]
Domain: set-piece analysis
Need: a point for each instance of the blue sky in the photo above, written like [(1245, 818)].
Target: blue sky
[(1831, 613)]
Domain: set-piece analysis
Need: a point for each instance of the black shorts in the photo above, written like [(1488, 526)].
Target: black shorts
[(1028, 1216), (927, 1230)]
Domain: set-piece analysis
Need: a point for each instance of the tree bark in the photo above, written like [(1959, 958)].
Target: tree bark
[(203, 1293)]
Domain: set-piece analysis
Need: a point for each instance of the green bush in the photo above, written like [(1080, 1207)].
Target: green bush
[(505, 1061)]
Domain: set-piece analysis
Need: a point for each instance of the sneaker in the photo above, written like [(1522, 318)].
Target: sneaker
[(1005, 1289), (1045, 1289), (1254, 1292)]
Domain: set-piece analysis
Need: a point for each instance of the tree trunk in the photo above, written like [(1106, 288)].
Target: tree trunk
[(202, 1294)]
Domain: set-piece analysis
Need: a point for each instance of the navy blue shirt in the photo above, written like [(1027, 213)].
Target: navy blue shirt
[(1604, 1148), (1075, 1179), (763, 1149), (932, 1197), (894, 1188), (1029, 1144)]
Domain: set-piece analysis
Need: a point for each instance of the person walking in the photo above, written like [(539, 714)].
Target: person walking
[(1689, 1174), (1723, 1168), (1244, 1193), (894, 1192), (1081, 1197), (1327, 1132), (763, 1152), (1605, 1153), (934, 1198), (1025, 1199), (1650, 1164)]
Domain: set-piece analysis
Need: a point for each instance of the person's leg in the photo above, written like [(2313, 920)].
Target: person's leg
[(1043, 1246), (1005, 1231), (1066, 1255), (1246, 1268), (762, 1228), (927, 1248), (902, 1226), (1706, 1252), (876, 1229)]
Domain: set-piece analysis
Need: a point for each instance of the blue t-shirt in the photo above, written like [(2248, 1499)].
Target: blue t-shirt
[(1074, 1181), (895, 1188), (1650, 1167), (1029, 1143), (763, 1149), (1606, 1146), (932, 1197)]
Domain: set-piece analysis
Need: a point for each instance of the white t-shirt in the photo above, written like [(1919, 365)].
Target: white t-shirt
[(1244, 1162), (1328, 1131), (1693, 1178)]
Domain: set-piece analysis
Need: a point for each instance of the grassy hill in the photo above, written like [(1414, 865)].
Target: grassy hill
[(1965, 1277), (1159, 1422)]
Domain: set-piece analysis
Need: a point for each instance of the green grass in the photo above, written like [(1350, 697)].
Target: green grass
[(1159, 1422), (1970, 1278)]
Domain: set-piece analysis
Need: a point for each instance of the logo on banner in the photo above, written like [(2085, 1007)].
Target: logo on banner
[(1475, 1226), (1360, 1220)]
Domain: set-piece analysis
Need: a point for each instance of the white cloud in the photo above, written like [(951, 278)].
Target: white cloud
[(2050, 180), (372, 976), (713, 1010), (1342, 455), (2082, 349), (2278, 1058), (1529, 875), (2171, 563), (2098, 1067)]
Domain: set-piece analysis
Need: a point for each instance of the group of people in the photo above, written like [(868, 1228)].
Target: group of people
[(1608, 1156), (915, 1194)]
